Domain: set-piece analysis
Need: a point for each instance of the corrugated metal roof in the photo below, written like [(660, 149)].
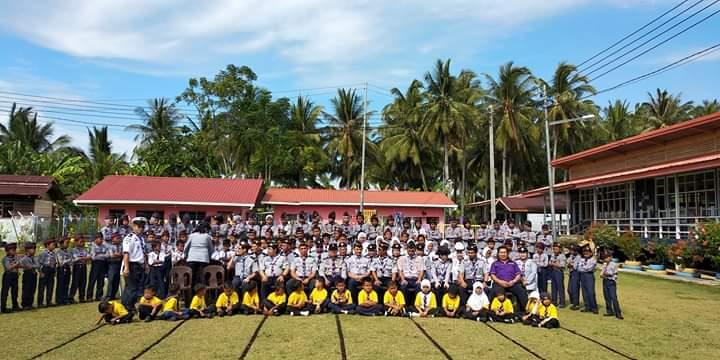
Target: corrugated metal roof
[(277, 196), (521, 203), (25, 185), (702, 124), (173, 191)]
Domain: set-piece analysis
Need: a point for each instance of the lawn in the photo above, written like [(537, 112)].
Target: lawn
[(663, 320)]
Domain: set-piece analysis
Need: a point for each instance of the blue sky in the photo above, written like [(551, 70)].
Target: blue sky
[(124, 51)]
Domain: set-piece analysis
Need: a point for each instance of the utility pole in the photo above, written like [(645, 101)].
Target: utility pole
[(551, 178), (362, 166), (491, 140)]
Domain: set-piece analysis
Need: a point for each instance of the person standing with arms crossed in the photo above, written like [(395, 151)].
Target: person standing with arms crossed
[(134, 263)]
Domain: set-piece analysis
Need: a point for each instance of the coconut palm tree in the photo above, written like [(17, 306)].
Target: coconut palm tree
[(664, 109), (706, 108), (444, 112), (511, 96), (307, 141), (102, 161), (618, 121), (160, 121), (23, 128), (343, 134)]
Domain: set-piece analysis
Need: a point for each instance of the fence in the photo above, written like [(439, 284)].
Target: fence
[(22, 228)]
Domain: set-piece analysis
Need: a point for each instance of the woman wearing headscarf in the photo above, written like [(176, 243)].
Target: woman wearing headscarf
[(198, 250)]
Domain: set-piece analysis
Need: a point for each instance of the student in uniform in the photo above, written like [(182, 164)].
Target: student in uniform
[(156, 262), (368, 303), (394, 300), (451, 303), (303, 269), (358, 268), (171, 307), (573, 278), (48, 267), (609, 275), (477, 304), (11, 264), (542, 261), (341, 299), (297, 300), (273, 268), (441, 269), (586, 268), (228, 303), (332, 268), (99, 268), (81, 258), (556, 270), (501, 309), (453, 232), (318, 299), (547, 313), (382, 269), (245, 267), (251, 299), (114, 312), (410, 270), (134, 261), (274, 303), (425, 302), (531, 310), (198, 309), (149, 305), (473, 269), (529, 270), (30, 267), (64, 272), (115, 258)]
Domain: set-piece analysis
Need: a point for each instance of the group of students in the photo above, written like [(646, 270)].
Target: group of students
[(304, 268)]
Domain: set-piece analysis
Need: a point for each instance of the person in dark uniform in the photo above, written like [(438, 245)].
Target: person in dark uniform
[(64, 272), (48, 267), (30, 266), (11, 264), (80, 259)]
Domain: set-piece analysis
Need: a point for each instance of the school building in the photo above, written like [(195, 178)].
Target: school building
[(28, 195), (116, 196), (415, 205), (521, 208), (658, 184)]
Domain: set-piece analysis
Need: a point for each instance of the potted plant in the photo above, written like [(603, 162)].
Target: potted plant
[(710, 234), (657, 263), (601, 237), (630, 245)]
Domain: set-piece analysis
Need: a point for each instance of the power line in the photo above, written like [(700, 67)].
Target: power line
[(72, 121), (635, 32), (658, 44), (685, 60)]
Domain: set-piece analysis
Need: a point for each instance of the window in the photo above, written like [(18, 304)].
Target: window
[(194, 215), (586, 204), (612, 202), (116, 214), (696, 194), (7, 208), (149, 213)]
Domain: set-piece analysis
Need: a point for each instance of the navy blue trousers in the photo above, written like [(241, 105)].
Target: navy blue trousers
[(612, 305), (587, 283), (574, 288), (557, 283)]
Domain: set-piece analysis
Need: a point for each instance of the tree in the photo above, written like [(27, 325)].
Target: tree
[(160, 121), (618, 121), (101, 160), (511, 96), (707, 107), (664, 109), (23, 127), (306, 150), (343, 135)]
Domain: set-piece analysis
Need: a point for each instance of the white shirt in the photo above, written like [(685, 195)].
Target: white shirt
[(156, 259), (133, 246)]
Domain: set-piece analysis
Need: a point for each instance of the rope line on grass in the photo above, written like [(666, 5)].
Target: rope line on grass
[(341, 338), (515, 342), (252, 338), (437, 345), (597, 342), (158, 340), (65, 343)]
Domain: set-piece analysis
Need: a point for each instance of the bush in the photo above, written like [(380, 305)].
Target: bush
[(602, 235), (710, 239), (630, 245), (661, 255)]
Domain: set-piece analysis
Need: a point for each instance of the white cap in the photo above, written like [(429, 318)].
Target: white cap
[(362, 235), (268, 216), (139, 219), (425, 283), (459, 246), (444, 243)]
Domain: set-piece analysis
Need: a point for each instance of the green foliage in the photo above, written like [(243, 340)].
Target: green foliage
[(630, 245), (710, 236), (603, 235), (661, 255)]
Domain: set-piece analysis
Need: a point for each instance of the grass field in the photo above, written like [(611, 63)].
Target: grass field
[(663, 320)]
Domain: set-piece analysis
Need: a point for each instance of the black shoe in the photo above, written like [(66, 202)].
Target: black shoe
[(609, 314), (574, 308), (595, 312), (620, 317), (584, 310), (6, 311), (561, 306), (148, 319)]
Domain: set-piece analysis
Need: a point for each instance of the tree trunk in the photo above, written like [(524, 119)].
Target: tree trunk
[(463, 185), (509, 178), (446, 165), (554, 155), (504, 171), (422, 175)]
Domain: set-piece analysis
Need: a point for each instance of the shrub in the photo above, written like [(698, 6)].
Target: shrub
[(603, 235), (630, 245)]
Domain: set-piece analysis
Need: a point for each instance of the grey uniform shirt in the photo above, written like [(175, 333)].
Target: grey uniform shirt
[(529, 270), (434, 235), (452, 233), (304, 266), (245, 265), (558, 261), (357, 265), (541, 260), (441, 272), (273, 266), (609, 271), (383, 266), (332, 267), (411, 266), (29, 263), (587, 264), (7, 261), (468, 235), (374, 231), (474, 269), (99, 252), (47, 259), (78, 254), (64, 257)]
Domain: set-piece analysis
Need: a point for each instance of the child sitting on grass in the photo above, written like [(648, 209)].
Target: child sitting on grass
[(451, 302), (114, 312), (425, 302), (297, 299), (275, 302), (228, 303), (171, 307), (251, 299), (198, 309), (318, 301), (368, 300), (149, 305), (341, 299), (394, 300), (477, 304), (547, 313), (531, 310), (501, 309)]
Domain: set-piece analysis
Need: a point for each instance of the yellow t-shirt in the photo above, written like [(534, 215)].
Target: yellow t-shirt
[(336, 295), (150, 302), (171, 304), (276, 299), (429, 304), (364, 296), (398, 299), (318, 296), (118, 309), (449, 303), (551, 311), (297, 299), (529, 307), (224, 301), (198, 303), (506, 305), (251, 299)]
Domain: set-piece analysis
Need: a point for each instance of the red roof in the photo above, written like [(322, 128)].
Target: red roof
[(277, 196), (674, 167), (173, 191), (25, 185), (528, 204), (699, 125)]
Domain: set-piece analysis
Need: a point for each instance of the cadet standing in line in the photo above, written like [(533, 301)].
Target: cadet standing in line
[(609, 275), (98, 271), (433, 234), (80, 258), (586, 268), (64, 271), (543, 261), (30, 267), (374, 229), (11, 264), (48, 267), (573, 263), (558, 262)]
